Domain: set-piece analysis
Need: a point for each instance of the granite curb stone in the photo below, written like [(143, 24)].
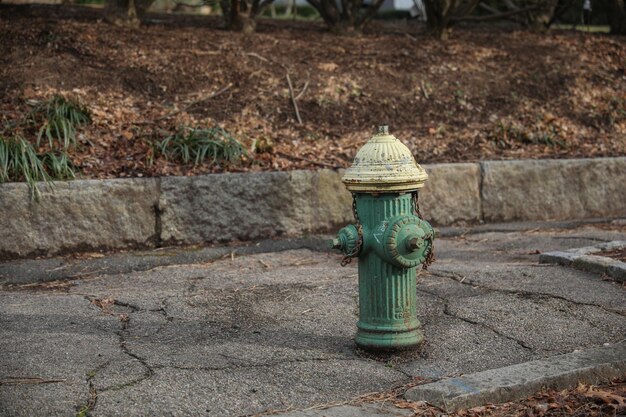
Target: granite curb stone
[(452, 194), (115, 214), (519, 381), (78, 215), (588, 258), (553, 189)]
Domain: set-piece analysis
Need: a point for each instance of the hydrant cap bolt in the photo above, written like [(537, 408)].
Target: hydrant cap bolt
[(384, 164)]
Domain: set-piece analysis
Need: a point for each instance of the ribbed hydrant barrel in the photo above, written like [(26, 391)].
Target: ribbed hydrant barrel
[(390, 240)]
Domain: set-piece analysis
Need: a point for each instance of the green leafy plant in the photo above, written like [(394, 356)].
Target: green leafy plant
[(19, 161), (58, 165), (199, 145), (59, 118)]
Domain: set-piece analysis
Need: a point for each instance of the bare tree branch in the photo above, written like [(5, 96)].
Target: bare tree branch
[(496, 15), (511, 5), (371, 11), (293, 99), (469, 8), (306, 84)]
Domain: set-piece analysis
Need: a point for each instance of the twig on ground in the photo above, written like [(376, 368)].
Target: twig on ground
[(424, 91), (254, 54), (28, 380), (306, 85), (293, 99), (199, 52)]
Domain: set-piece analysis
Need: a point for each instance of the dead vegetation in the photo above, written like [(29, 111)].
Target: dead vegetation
[(483, 94)]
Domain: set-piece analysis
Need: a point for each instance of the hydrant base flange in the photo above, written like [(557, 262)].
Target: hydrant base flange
[(386, 340)]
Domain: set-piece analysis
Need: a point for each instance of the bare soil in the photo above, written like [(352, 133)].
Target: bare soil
[(487, 93)]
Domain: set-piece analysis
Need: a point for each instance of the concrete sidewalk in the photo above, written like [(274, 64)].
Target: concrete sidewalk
[(274, 331)]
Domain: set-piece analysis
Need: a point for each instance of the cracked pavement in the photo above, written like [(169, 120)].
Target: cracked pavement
[(274, 331)]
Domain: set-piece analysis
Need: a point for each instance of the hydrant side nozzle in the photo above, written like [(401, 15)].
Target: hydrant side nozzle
[(347, 240)]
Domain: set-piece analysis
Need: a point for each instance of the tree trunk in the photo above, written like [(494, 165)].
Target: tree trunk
[(121, 13), (540, 19), (438, 17), (617, 17), (345, 17), (242, 22), (240, 15), (291, 5)]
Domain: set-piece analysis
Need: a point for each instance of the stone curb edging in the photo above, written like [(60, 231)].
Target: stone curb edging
[(585, 259), (520, 381), (509, 383), (87, 215)]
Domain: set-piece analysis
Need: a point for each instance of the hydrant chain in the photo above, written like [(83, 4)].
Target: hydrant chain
[(430, 257)]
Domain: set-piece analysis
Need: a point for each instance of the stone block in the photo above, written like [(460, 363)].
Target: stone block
[(226, 207), (560, 258), (554, 189), (592, 263), (77, 215), (451, 194), (617, 271)]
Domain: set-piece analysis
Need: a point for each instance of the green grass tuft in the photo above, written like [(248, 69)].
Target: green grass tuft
[(200, 145), (59, 118), (19, 161), (58, 165)]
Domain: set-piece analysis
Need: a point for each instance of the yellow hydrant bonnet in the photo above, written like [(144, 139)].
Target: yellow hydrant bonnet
[(384, 164)]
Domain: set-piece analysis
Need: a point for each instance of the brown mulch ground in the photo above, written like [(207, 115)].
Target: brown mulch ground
[(487, 93)]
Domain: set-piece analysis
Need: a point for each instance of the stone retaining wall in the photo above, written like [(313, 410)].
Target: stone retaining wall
[(126, 213)]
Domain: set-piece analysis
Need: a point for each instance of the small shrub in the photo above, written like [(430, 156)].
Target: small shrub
[(199, 145)]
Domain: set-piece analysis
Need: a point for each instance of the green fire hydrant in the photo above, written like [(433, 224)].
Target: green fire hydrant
[(390, 240)]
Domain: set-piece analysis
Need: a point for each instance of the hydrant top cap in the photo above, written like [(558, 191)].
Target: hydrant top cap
[(384, 164)]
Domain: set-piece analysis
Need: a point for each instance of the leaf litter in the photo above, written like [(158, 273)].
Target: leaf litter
[(487, 93)]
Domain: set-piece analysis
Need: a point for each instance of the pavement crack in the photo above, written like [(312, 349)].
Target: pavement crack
[(525, 293), (85, 409), (133, 308), (148, 369), (448, 312), (256, 365), (105, 304)]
